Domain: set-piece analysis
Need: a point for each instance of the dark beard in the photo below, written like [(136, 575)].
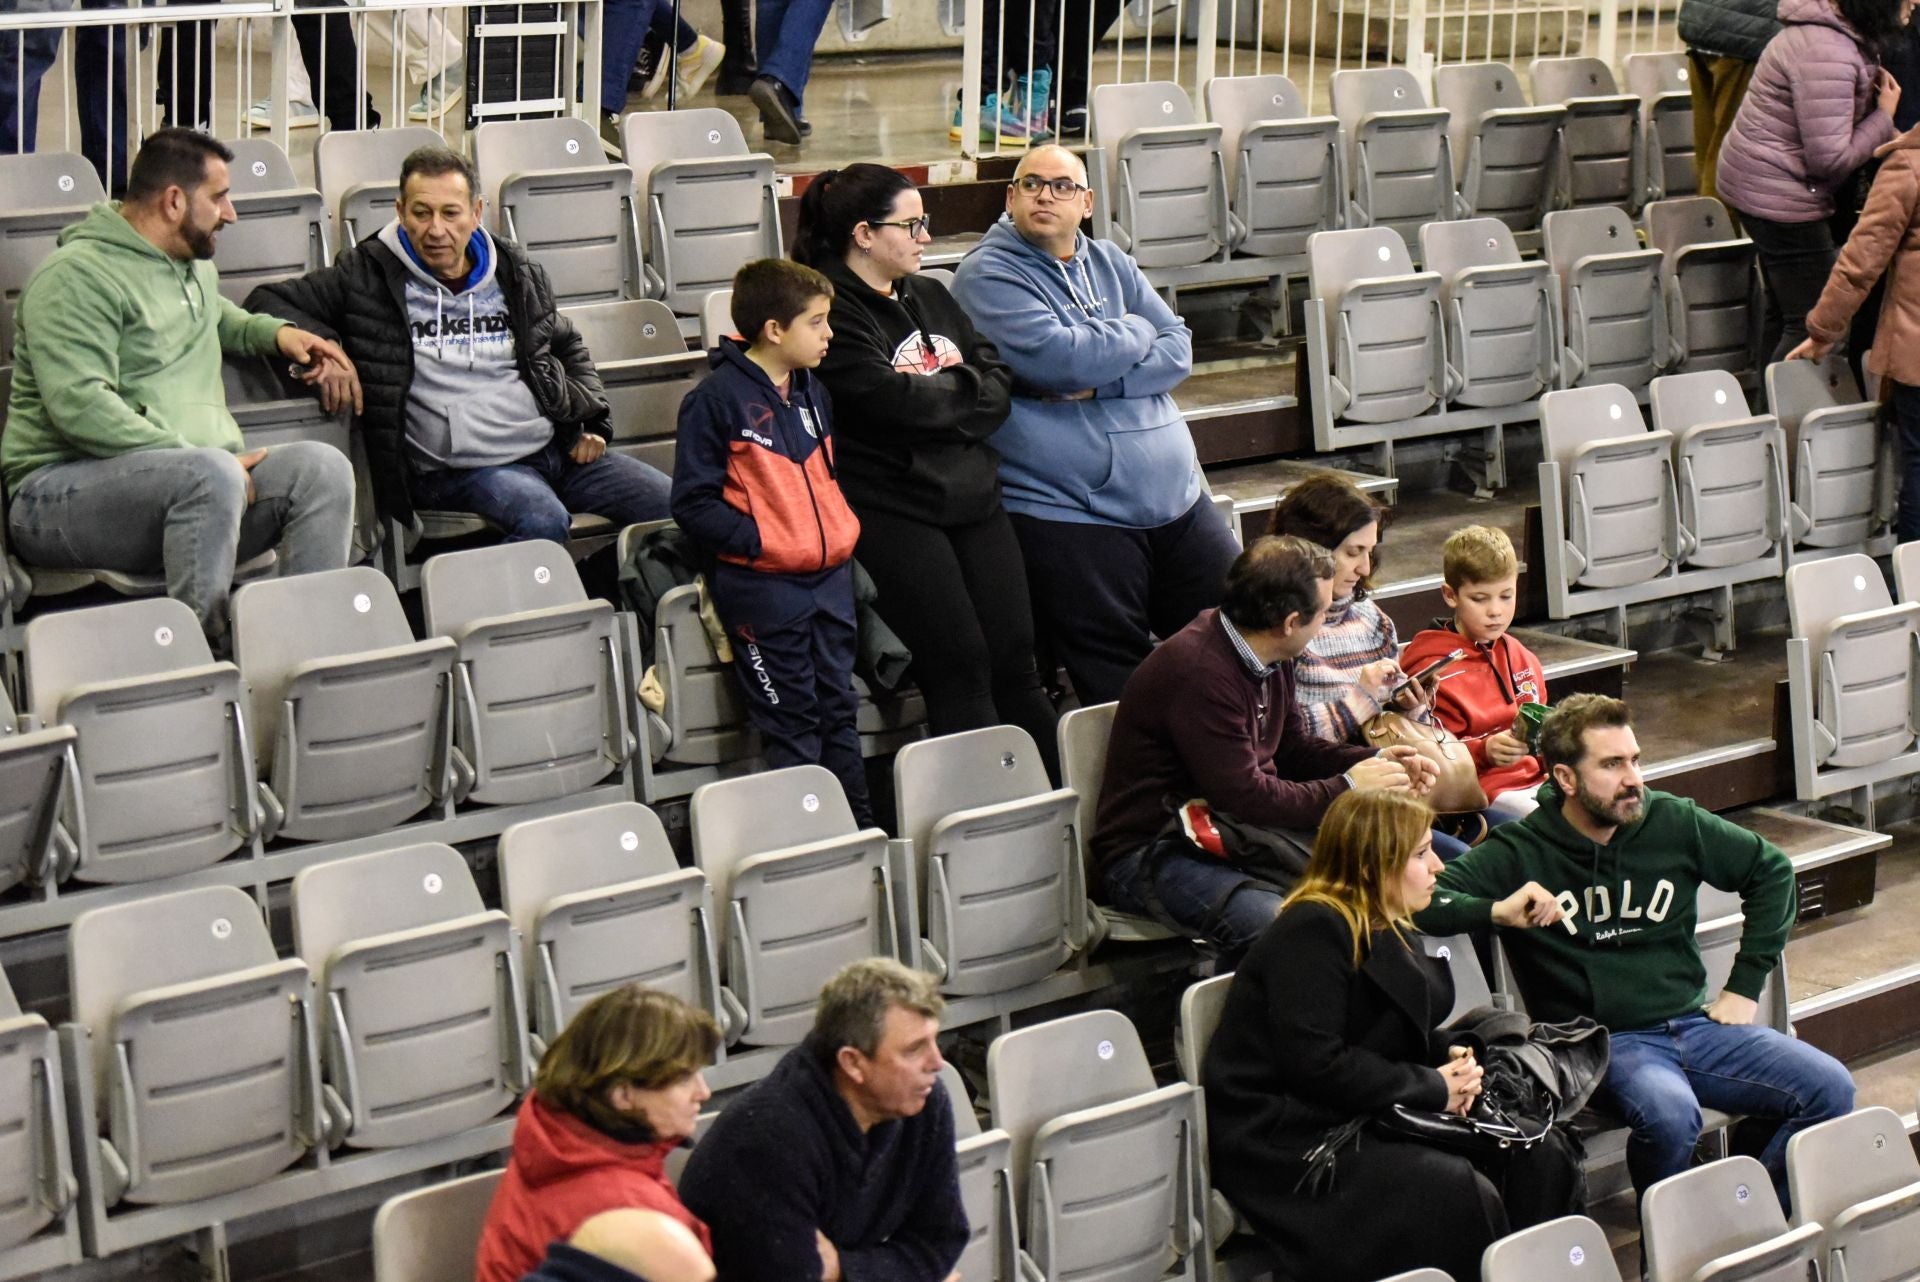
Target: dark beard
[(1605, 813), (199, 240)]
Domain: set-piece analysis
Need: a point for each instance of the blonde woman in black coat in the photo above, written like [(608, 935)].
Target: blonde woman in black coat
[(1333, 1015)]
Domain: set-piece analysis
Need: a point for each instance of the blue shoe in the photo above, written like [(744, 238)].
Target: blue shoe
[(1000, 124), (1036, 92)]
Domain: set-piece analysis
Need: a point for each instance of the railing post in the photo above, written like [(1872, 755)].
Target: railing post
[(972, 52), (1608, 39), (1419, 57), (1205, 39), (283, 44)]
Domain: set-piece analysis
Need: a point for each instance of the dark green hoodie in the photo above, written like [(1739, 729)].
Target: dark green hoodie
[(1624, 953)]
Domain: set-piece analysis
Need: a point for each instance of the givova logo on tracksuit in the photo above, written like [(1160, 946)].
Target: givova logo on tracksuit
[(758, 662)]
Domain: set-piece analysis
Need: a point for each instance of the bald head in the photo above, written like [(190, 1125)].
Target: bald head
[(1049, 215), (647, 1243), (1051, 159)]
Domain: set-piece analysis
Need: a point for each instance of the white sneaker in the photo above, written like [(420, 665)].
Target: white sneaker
[(438, 96), (692, 68), (300, 115)]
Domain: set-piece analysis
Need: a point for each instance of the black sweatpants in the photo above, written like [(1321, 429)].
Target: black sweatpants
[(793, 646), (957, 595), (1101, 593)]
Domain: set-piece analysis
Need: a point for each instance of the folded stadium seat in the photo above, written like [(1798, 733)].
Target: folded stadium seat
[(1601, 160), (1200, 1008), (708, 205), (599, 901), (1505, 150), (1659, 81), (555, 194), (1730, 466), (1906, 571), (1286, 170), (1615, 327), (358, 173), (1721, 1223), (1843, 472), (1399, 158), (1501, 315), (37, 1187), (1853, 685), (1856, 1177), (986, 1190), (1084, 733), (38, 772), (1711, 279), (716, 316), (1169, 181), (541, 700), (40, 194), (1106, 1163), (646, 370), (283, 229), (165, 765), (352, 719), (417, 992), (432, 1234), (1002, 901), (1384, 350), (1570, 1249), (199, 1044), (801, 890)]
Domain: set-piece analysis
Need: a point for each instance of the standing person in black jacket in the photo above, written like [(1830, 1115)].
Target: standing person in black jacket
[(1724, 39), (479, 395), (917, 393), (839, 1164)]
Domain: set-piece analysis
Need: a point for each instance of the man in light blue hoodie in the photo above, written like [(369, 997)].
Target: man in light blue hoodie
[(1096, 463)]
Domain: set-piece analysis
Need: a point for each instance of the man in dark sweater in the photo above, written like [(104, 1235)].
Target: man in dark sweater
[(839, 1164), (1211, 716)]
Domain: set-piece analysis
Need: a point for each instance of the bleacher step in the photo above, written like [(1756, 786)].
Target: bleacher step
[(1854, 985)]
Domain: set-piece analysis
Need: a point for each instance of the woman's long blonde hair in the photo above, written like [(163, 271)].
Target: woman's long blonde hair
[(1358, 859)]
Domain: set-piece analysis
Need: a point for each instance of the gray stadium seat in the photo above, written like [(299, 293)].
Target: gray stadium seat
[(1570, 1249), (40, 194), (1399, 158), (166, 769), (1601, 160), (986, 1190), (1083, 765), (716, 319), (541, 699), (1615, 330), (1659, 81), (1852, 676), (38, 772), (1387, 359), (1286, 170), (1842, 469), (1711, 280), (1729, 466), (1501, 315), (802, 891), (1002, 903), (556, 196), (707, 204), (431, 1234), (1721, 1223), (283, 228), (1169, 181), (203, 1049), (358, 173), (1906, 571), (1616, 485), (1856, 1177), (646, 370), (36, 1170), (352, 719), (1470, 987), (706, 714), (599, 901), (1108, 1163), (1506, 151), (418, 993)]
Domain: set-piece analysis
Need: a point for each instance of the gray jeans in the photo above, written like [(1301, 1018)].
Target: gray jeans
[(185, 511)]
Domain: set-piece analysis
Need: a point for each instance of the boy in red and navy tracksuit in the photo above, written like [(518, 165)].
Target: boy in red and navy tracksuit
[(753, 482)]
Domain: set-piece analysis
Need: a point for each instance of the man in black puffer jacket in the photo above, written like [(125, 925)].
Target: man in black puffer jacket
[(477, 395)]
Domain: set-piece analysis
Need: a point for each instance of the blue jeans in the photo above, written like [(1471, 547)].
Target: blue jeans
[(784, 34), (535, 497), (99, 62), (1660, 1077), (623, 29)]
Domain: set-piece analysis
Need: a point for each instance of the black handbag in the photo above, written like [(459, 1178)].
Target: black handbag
[(1485, 1130)]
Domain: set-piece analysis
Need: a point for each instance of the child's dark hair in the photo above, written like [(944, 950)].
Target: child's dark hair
[(773, 289), (839, 200)]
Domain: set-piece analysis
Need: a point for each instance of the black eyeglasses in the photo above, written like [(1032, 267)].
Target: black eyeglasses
[(1062, 188), (913, 226)]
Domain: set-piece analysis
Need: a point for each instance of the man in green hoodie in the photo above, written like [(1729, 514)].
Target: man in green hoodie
[(119, 452), (1611, 936)]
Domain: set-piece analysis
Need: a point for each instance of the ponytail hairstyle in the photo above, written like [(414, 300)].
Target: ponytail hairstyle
[(838, 201)]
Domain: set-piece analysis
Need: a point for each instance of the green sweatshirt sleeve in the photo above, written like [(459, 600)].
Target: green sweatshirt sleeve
[(1731, 858), (245, 331), (75, 328), (1464, 897)]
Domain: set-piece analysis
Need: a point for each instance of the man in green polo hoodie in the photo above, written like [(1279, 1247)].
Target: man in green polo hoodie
[(119, 452), (1615, 869)]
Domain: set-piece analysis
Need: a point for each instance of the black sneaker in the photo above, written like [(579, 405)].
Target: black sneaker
[(1073, 122), (649, 69), (777, 115)]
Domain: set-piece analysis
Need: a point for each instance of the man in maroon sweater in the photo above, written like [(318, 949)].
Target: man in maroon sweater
[(1211, 716)]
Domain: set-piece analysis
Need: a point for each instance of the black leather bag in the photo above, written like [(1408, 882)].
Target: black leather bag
[(1487, 1129)]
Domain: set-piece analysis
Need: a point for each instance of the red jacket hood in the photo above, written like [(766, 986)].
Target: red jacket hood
[(549, 1145)]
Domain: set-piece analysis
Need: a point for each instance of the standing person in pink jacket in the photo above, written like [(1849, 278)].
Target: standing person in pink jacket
[(1818, 104)]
